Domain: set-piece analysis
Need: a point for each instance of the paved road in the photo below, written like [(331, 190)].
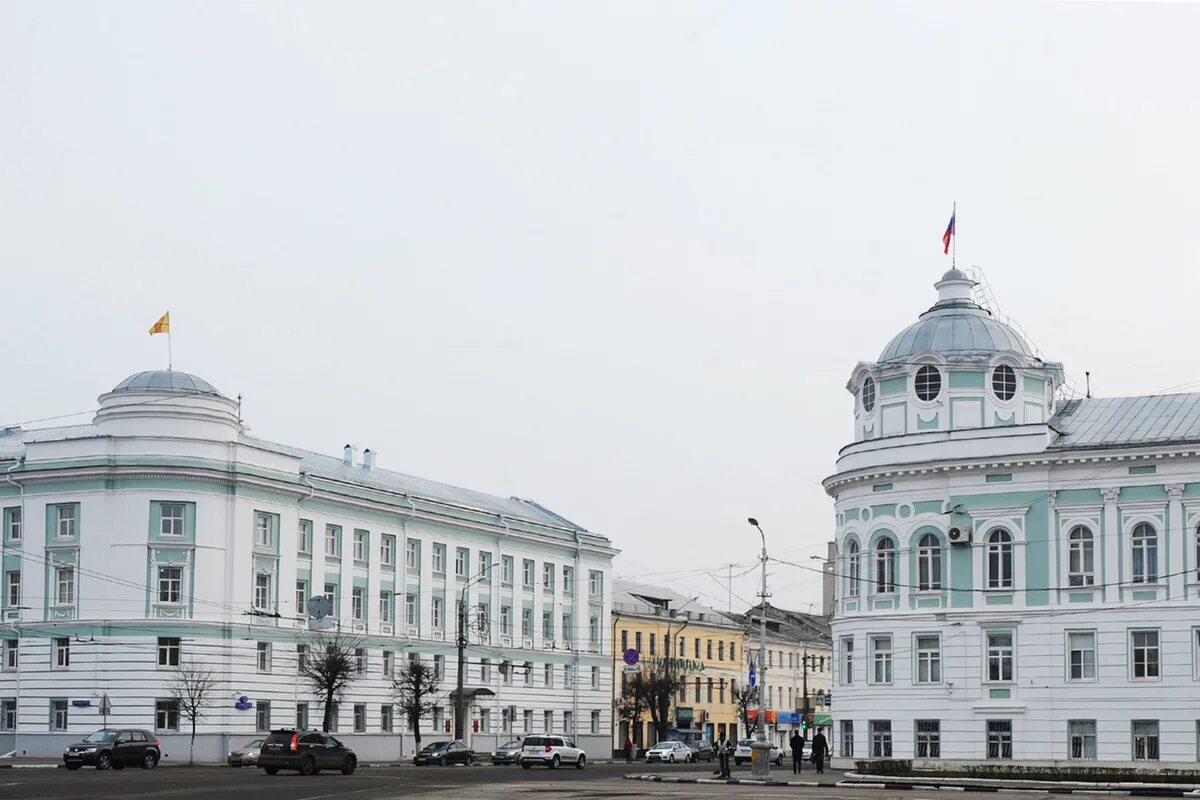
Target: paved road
[(597, 782)]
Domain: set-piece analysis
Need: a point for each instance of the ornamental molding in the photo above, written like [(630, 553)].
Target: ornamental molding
[(1111, 494), (1175, 491)]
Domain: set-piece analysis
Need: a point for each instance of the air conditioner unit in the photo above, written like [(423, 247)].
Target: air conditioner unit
[(958, 536)]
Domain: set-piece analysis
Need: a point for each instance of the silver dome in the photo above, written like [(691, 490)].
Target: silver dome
[(958, 330), (160, 380)]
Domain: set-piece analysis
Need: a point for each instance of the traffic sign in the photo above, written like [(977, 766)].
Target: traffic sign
[(632, 669), (753, 676), (631, 656)]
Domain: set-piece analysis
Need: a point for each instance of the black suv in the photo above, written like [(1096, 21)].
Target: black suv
[(116, 748), (308, 752)]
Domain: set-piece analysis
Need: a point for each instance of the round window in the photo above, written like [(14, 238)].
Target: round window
[(928, 383), (1004, 382), (868, 395)]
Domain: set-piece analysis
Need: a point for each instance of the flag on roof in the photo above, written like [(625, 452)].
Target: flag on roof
[(949, 233)]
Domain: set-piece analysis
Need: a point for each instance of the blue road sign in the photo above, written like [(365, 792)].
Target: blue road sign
[(631, 656), (753, 676)]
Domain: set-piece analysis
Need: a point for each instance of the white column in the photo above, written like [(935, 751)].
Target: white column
[(1177, 540), (1112, 544)]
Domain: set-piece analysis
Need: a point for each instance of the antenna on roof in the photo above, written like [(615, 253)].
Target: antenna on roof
[(1088, 375), (239, 408)]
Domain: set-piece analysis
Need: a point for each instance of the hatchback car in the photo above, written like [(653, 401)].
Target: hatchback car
[(742, 753), (116, 748), (246, 755), (551, 751), (443, 753), (702, 749), (306, 752), (507, 753), (669, 752)]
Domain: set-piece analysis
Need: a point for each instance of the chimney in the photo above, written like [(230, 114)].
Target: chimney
[(348, 455), (368, 459)]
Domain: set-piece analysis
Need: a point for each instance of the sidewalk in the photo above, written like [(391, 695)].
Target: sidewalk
[(780, 776), (1128, 788)]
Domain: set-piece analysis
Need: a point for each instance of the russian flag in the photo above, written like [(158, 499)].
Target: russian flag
[(949, 232)]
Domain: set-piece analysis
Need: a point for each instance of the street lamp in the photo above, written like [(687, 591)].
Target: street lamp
[(760, 763), (460, 703)]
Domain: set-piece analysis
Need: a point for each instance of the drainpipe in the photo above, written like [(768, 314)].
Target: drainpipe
[(16, 630), (575, 620)]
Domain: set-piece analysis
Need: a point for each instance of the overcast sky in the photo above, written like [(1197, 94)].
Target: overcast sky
[(616, 257)]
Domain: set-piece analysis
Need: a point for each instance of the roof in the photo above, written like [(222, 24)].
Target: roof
[(158, 380), (794, 626), (1116, 421), (956, 329), (629, 597)]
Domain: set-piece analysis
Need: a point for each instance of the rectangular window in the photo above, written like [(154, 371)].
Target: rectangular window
[(460, 562), (881, 659), (547, 625), (548, 721), (166, 716), (548, 572), (262, 529), (485, 720), (62, 653), (527, 573), (929, 659), (385, 607), (64, 586), (262, 591), (333, 535), (412, 555), (410, 609), (262, 715), (13, 590), (528, 673), (929, 738), (8, 714), (301, 658), (506, 672), (569, 722), (595, 727), (14, 524), (1081, 739), (847, 738), (170, 584), (59, 716), (506, 620), (708, 649), (171, 519), (439, 667), (847, 660), (527, 622), (389, 660), (65, 516), (264, 657), (594, 631), (485, 670), (569, 676), (360, 660), (528, 719), (10, 653), (506, 570), (999, 738), (168, 651), (360, 718), (485, 567), (595, 584), (568, 580), (881, 738), (548, 675), (360, 545), (358, 596), (385, 718), (387, 550), (721, 650), (1081, 655), (304, 536), (435, 615), (334, 710), (302, 716), (652, 641), (1145, 740), (1144, 645), (999, 656), (439, 559), (596, 678), (708, 697), (302, 598), (637, 641)]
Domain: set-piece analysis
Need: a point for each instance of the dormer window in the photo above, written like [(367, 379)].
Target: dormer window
[(928, 383), (868, 395), (1004, 382)]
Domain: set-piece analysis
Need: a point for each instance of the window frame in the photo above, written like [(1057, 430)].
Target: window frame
[(172, 584), (1146, 546), (1084, 736), (1131, 639), (1069, 660), (884, 561), (1081, 557), (846, 649), (1000, 741), (1000, 655), (1156, 737), (999, 563), (930, 738), (925, 657), (166, 710), (925, 377), (878, 658), (853, 568), (1004, 383), (929, 563), (169, 652), (67, 571), (881, 738), (163, 518)]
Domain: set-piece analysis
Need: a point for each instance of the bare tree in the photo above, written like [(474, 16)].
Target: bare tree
[(193, 690), (331, 666), (631, 706), (746, 698), (416, 687), (659, 682)]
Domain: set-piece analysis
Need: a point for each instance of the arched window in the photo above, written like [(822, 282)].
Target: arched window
[(1004, 382), (868, 394), (1081, 557), (928, 383), (853, 568), (1144, 542), (885, 566), (999, 559), (929, 563)]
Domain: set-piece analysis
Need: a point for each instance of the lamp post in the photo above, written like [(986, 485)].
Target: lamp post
[(760, 762), (460, 703)]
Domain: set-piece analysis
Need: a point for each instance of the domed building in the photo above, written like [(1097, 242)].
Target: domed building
[(162, 538), (1014, 579)]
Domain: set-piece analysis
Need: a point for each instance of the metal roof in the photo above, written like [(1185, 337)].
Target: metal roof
[(955, 329), (157, 380), (1117, 421)]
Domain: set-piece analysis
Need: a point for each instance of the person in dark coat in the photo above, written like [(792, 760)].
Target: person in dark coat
[(820, 749), (724, 748), (796, 742)]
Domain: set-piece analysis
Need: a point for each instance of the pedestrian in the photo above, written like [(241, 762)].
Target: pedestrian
[(628, 750), (820, 750), (724, 747), (797, 745)]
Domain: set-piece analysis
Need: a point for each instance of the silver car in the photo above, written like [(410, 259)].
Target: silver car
[(246, 755)]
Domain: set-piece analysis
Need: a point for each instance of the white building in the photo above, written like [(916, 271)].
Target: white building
[(1017, 577), (162, 533)]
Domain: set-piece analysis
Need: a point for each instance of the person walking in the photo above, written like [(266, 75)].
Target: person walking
[(820, 750), (796, 742)]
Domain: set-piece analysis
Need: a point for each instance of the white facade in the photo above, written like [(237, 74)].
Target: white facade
[(163, 525), (1023, 585)]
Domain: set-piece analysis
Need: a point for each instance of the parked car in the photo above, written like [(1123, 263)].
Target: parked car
[(246, 755), (552, 751), (443, 753), (116, 748), (669, 751), (742, 753), (702, 749), (508, 752), (307, 752)]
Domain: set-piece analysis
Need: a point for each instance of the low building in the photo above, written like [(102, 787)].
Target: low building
[(704, 645), (163, 534)]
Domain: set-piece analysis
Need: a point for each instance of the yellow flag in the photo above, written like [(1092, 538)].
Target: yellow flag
[(163, 325)]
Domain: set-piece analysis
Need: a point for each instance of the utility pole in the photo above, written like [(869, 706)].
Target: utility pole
[(460, 727), (760, 763), (804, 675)]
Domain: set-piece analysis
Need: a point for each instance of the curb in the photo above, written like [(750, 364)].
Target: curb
[(740, 781)]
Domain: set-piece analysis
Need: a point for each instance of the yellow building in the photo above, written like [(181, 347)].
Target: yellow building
[(705, 645)]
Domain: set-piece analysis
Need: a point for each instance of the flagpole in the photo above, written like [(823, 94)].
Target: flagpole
[(954, 238)]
